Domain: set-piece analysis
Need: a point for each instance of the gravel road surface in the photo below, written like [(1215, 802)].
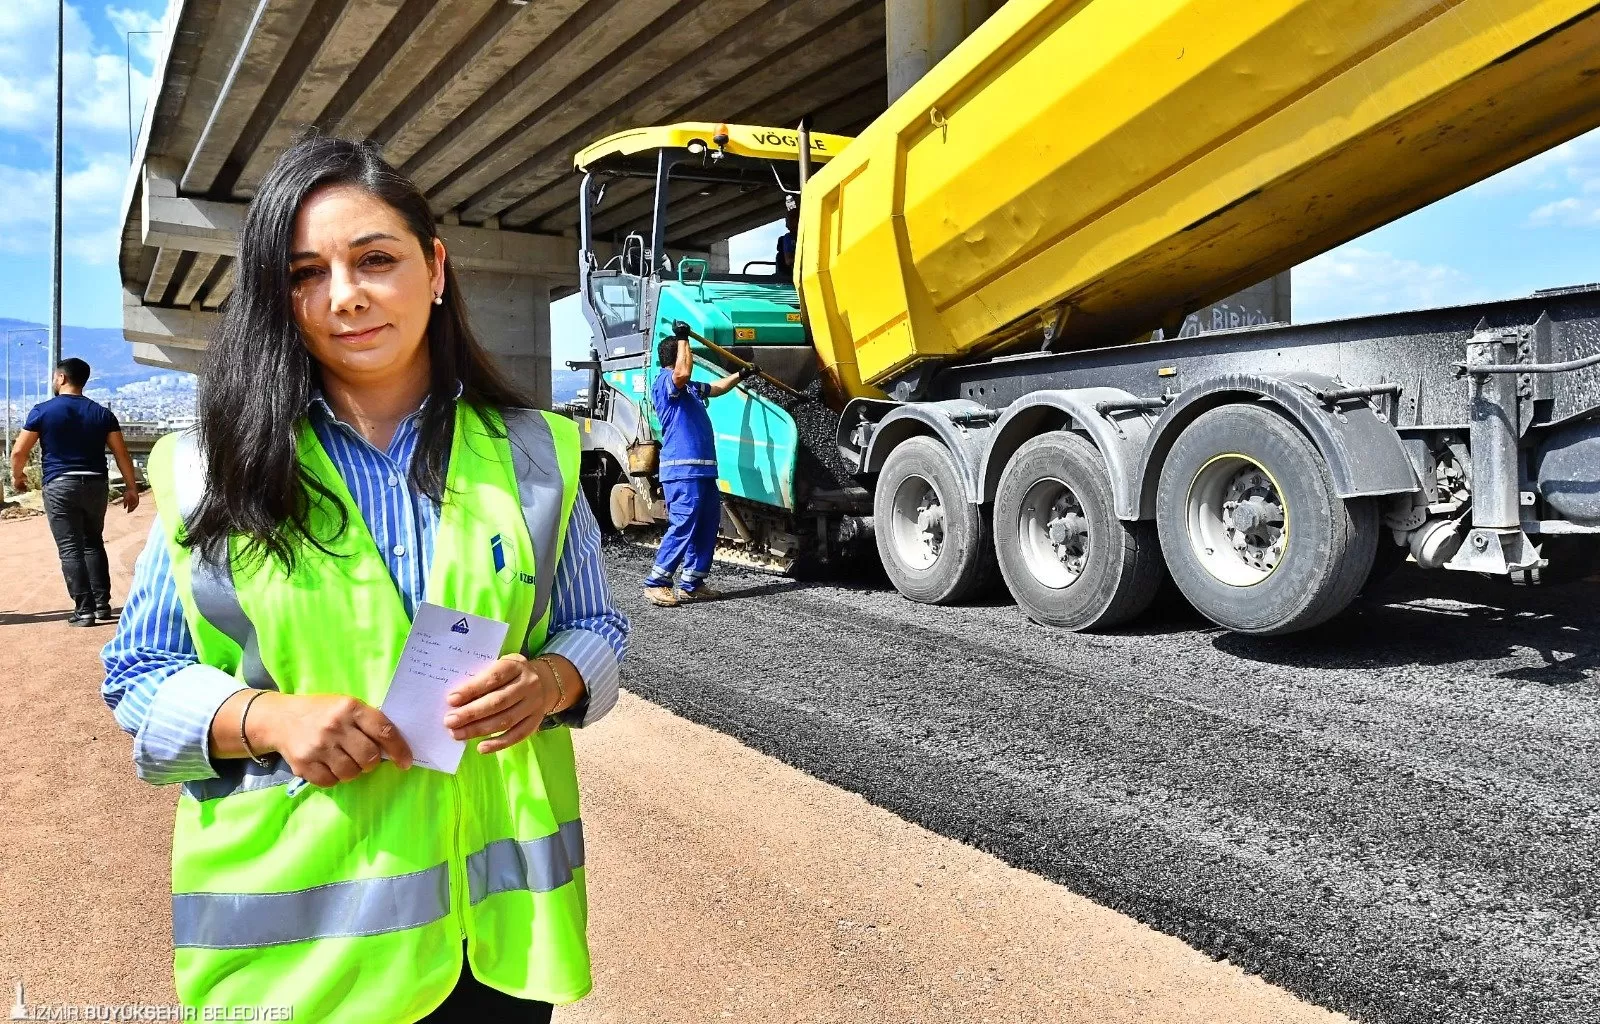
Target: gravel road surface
[(1395, 815)]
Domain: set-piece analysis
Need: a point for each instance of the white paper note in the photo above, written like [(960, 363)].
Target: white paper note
[(443, 648)]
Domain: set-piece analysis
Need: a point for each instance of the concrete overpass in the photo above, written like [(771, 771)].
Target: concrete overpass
[(483, 103)]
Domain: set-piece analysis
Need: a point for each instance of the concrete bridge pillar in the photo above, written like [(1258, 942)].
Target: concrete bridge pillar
[(918, 33), (510, 314)]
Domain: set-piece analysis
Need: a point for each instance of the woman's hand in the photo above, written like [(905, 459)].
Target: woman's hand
[(512, 697), (326, 738)]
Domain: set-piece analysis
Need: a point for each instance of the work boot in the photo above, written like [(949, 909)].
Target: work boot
[(661, 597), (701, 593), (81, 619), (103, 612)]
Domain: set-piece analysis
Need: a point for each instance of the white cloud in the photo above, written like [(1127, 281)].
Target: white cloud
[(96, 94), (1570, 173), (96, 100), (1573, 164), (127, 19), (1352, 281), (1572, 212), (92, 196)]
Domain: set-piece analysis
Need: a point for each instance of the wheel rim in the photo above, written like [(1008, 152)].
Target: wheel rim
[(1238, 521), (918, 529), (1053, 534)]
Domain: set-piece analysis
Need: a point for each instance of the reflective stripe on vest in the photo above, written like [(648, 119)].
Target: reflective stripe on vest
[(372, 906), (368, 906), (533, 456), (538, 865)]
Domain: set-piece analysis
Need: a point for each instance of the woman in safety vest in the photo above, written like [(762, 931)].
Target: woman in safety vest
[(360, 463)]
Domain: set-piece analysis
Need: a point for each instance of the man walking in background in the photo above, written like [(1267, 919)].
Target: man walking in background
[(75, 432)]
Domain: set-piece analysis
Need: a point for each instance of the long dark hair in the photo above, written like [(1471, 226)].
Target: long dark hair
[(259, 376)]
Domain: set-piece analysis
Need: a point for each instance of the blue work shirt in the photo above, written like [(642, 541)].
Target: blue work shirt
[(72, 433), (688, 441)]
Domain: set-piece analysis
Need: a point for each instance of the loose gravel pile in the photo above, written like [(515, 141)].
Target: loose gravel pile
[(819, 461), (1396, 815)]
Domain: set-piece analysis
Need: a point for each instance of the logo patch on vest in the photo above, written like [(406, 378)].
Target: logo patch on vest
[(502, 565)]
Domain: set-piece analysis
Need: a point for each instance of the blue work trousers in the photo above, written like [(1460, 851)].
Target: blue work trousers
[(694, 511)]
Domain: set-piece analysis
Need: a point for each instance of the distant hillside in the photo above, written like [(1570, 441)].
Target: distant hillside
[(564, 384), (110, 358)]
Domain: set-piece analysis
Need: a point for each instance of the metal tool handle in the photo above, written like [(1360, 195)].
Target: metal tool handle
[(682, 331)]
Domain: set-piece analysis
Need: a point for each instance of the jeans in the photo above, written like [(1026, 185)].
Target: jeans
[(694, 512), (76, 509)]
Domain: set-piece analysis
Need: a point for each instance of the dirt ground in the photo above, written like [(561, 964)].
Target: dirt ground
[(724, 885)]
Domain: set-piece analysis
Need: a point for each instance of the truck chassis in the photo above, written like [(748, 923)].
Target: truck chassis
[(1272, 470)]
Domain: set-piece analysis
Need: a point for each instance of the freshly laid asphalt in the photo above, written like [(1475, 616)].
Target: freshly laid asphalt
[(1395, 815)]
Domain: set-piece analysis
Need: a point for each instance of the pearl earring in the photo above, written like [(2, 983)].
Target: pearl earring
[(438, 300)]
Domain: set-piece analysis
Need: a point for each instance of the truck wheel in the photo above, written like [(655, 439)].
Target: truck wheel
[(934, 542), (1066, 557), (1252, 530), (598, 478)]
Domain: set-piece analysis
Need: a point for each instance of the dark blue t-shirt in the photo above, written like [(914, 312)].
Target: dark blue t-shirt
[(72, 434), (688, 442)]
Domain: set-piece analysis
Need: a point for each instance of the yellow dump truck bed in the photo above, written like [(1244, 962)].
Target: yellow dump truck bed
[(1110, 164)]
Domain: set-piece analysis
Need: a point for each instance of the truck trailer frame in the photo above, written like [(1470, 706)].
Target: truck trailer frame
[(1464, 437)]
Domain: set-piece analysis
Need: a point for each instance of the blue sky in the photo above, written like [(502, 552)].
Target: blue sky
[(1534, 226), (96, 167)]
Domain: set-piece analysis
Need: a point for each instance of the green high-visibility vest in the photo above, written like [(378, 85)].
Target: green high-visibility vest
[(351, 903)]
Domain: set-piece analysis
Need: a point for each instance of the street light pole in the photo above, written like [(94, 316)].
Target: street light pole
[(127, 47), (55, 270), (9, 335)]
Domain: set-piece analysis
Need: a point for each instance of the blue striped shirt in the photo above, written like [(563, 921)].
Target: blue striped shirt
[(162, 695)]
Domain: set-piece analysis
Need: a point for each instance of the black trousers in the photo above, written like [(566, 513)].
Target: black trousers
[(76, 509), (472, 1001)]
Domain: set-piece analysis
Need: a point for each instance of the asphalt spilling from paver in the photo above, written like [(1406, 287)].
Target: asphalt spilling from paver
[(1394, 815)]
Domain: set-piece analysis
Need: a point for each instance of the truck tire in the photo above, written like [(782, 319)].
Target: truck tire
[(1386, 561), (934, 543), (1066, 557), (1252, 530), (597, 476)]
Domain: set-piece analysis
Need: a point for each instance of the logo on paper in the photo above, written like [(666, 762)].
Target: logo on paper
[(461, 626), (502, 562)]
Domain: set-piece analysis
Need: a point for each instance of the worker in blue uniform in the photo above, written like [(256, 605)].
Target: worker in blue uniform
[(790, 239), (688, 473)]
